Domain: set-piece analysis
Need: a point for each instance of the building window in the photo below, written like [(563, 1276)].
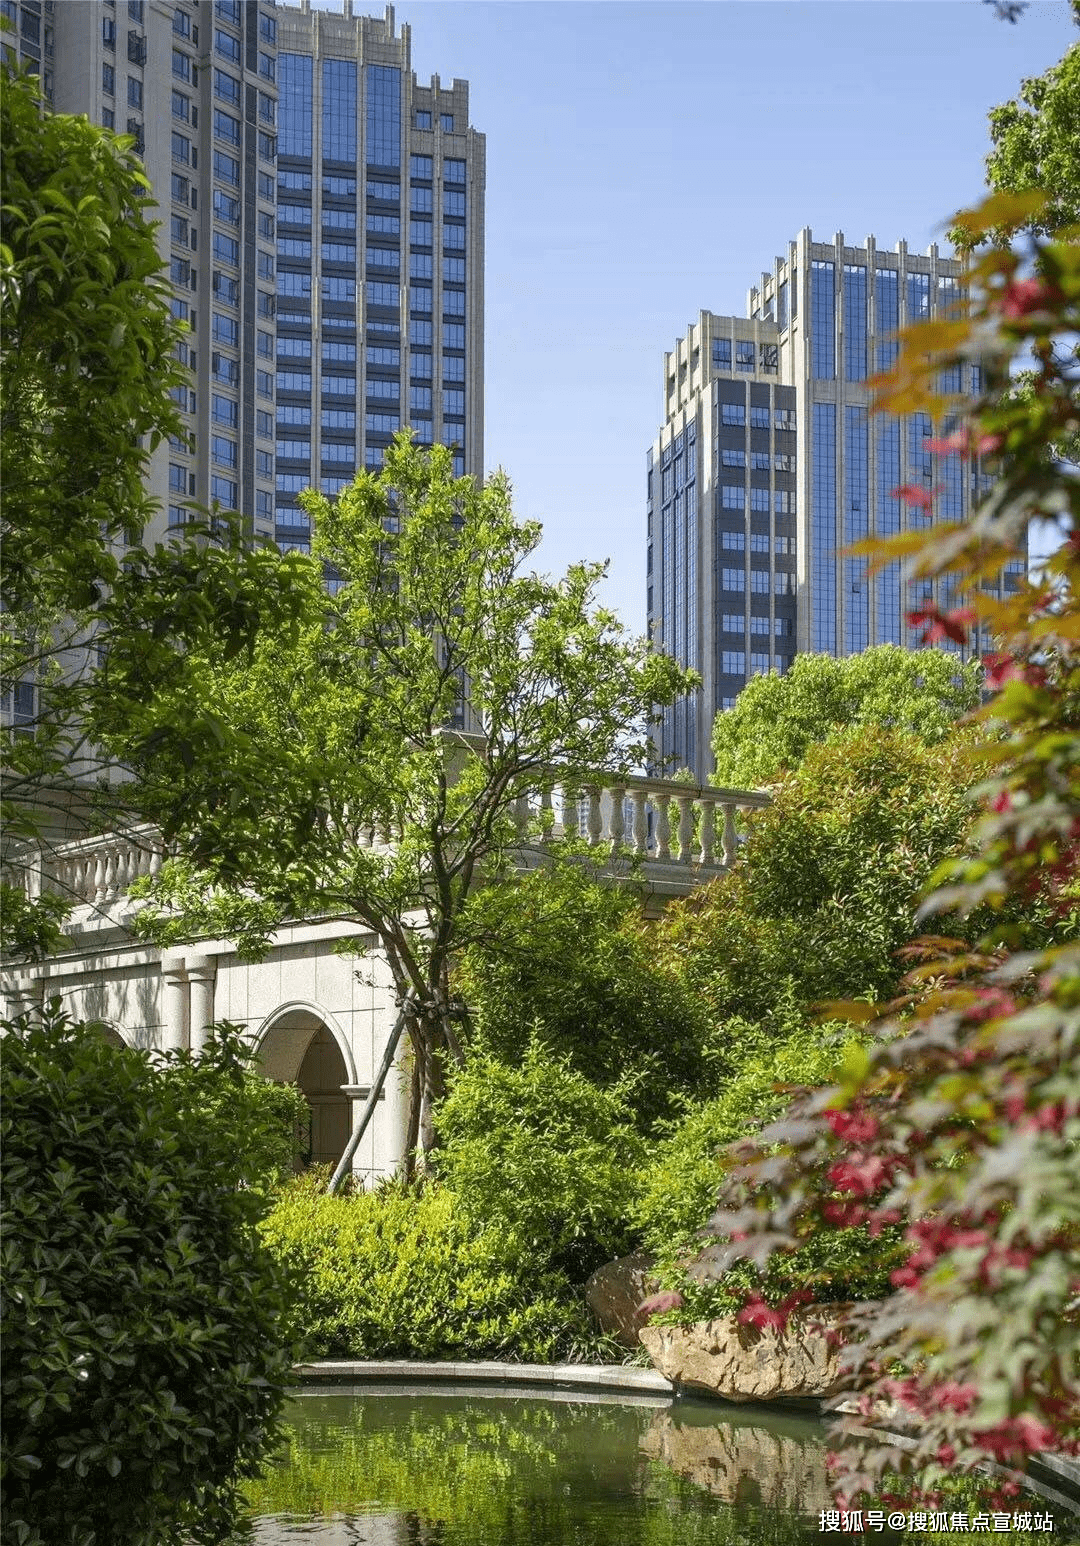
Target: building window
[(733, 662), (453, 202), (744, 354), (453, 236), (453, 171), (223, 491), (721, 353), (732, 414), (383, 115), (225, 330), (226, 127), (381, 294), (453, 303), (420, 299), (732, 579), (733, 541), (226, 249), (223, 410), (420, 201), (388, 192), (108, 79), (421, 167), (423, 120), (823, 321), (108, 31), (453, 367), (339, 109), (446, 122)]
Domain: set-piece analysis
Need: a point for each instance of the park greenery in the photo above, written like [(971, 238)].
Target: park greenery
[(369, 757), (582, 1069)]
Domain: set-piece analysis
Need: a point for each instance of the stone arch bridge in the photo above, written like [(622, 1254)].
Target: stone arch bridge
[(316, 1016)]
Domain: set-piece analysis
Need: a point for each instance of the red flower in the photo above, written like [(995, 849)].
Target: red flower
[(987, 445), (943, 625), (1023, 296), (913, 495), (656, 1304), (858, 1126), (757, 1313), (860, 1176)]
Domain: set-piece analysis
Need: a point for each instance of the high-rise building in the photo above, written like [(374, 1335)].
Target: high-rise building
[(322, 218), (770, 463)]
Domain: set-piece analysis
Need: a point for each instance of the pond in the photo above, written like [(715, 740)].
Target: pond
[(432, 1466)]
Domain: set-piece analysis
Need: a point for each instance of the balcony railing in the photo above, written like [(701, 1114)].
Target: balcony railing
[(686, 831)]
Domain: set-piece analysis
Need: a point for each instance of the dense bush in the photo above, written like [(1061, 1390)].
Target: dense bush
[(542, 1156), (829, 885), (145, 1360), (561, 957), (405, 1273), (679, 1190)]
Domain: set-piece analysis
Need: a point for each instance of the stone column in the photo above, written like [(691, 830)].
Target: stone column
[(174, 1003), (201, 971)]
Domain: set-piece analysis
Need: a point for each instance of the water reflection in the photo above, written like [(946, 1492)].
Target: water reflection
[(413, 1468)]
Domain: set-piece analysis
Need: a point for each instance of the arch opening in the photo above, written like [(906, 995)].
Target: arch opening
[(299, 1048)]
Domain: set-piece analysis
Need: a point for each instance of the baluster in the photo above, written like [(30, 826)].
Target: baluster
[(127, 869), (98, 885), (708, 833), (547, 814), (154, 864), (686, 827), (594, 820), (730, 844), (110, 872), (641, 822), (618, 819), (663, 830), (571, 815), (521, 815)]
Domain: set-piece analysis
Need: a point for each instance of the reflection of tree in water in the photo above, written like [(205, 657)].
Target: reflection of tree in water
[(465, 1471)]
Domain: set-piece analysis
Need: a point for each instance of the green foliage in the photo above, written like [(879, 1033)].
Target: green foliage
[(87, 350), (1036, 140), (145, 1362), (776, 719), (562, 958), (332, 731), (678, 1191), (828, 887), (536, 1152), (406, 1273)]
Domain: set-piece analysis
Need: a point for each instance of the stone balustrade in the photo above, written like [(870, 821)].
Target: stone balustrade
[(651, 822), (94, 871)]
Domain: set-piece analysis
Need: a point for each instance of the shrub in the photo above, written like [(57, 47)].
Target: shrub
[(145, 1361), (565, 959), (402, 1273), (542, 1156), (830, 883), (679, 1192)]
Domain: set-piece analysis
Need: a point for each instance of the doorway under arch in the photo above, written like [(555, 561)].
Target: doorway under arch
[(299, 1048)]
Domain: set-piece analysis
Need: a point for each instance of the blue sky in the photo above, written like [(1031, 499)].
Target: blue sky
[(647, 160)]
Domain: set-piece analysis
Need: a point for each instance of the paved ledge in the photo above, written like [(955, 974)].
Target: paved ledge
[(566, 1376)]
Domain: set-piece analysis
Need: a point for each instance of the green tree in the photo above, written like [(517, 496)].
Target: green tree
[(563, 957), (829, 888), (1036, 141), (145, 1361), (327, 778), (86, 371), (777, 718)]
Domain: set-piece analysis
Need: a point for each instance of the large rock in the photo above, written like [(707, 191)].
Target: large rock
[(614, 1292), (745, 1363)]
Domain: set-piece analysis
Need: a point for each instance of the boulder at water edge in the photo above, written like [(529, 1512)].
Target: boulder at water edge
[(745, 1363), (614, 1292)]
